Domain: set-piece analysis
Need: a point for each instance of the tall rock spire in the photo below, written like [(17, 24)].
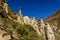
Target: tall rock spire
[(20, 11), (42, 25), (6, 6), (20, 17), (49, 32)]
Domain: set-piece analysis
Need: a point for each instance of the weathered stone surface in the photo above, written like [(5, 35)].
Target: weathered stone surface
[(50, 32), (41, 27), (6, 7), (4, 36)]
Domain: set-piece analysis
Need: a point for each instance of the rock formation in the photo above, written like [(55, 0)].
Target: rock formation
[(6, 7), (49, 32), (54, 21), (43, 29)]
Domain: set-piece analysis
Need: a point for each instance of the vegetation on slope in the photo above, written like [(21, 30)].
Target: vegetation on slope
[(22, 32), (15, 30)]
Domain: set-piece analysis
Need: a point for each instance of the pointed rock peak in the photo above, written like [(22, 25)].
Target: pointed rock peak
[(33, 17), (41, 18), (20, 11), (41, 21)]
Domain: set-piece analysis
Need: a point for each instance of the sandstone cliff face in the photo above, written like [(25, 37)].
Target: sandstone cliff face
[(54, 21)]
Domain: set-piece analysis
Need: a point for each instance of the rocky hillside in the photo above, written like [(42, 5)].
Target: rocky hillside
[(11, 27), (55, 21), (10, 30)]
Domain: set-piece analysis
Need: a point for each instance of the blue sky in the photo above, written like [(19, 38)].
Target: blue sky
[(35, 8)]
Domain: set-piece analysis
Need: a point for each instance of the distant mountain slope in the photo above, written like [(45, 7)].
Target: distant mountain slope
[(55, 20)]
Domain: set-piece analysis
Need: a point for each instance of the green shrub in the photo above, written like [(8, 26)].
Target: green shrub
[(9, 31)]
